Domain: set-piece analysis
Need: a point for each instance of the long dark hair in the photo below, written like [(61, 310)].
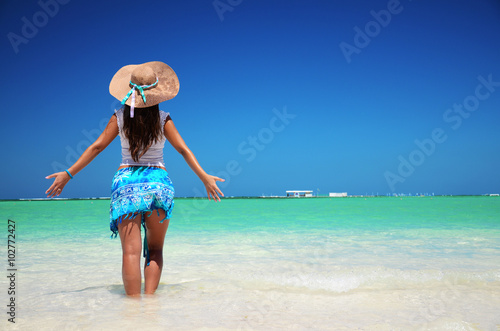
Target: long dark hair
[(143, 130)]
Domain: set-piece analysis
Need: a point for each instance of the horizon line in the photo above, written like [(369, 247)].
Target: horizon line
[(394, 195)]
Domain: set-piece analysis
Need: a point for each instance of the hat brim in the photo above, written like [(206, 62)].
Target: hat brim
[(166, 89)]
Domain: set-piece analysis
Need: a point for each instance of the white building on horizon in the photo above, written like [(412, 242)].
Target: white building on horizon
[(299, 194), (337, 195)]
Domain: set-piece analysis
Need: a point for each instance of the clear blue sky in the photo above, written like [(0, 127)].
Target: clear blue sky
[(332, 96)]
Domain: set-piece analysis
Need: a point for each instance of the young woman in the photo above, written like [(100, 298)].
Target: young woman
[(141, 192)]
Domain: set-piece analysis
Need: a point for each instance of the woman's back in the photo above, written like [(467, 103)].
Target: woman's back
[(153, 156)]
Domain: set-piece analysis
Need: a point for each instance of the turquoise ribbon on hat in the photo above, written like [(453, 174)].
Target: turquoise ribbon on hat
[(140, 88)]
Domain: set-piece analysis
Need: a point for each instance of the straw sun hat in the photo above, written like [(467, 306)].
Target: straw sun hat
[(144, 85)]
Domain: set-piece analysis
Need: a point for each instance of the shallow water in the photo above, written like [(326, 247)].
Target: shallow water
[(266, 264)]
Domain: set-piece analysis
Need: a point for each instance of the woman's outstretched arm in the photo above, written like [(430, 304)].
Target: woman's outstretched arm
[(180, 146), (62, 178)]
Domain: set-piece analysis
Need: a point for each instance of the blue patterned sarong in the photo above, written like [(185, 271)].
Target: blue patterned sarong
[(139, 190)]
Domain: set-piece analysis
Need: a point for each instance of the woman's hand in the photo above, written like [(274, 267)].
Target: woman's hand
[(61, 179), (213, 191)]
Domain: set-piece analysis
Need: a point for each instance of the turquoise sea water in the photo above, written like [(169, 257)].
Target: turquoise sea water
[(414, 263)]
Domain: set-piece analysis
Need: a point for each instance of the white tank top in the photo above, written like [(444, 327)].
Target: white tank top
[(153, 156)]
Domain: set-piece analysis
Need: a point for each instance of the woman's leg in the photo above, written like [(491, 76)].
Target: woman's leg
[(130, 236), (155, 236)]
